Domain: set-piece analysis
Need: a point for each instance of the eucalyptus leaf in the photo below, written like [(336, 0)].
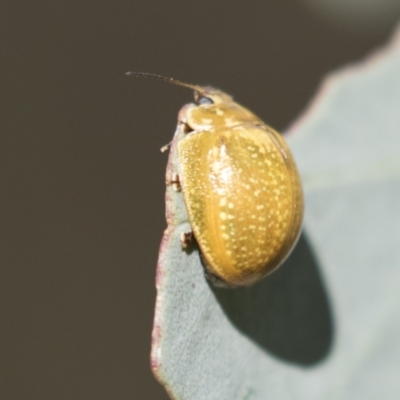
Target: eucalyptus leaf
[(326, 325)]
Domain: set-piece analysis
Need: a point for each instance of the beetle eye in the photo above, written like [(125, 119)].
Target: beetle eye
[(204, 100)]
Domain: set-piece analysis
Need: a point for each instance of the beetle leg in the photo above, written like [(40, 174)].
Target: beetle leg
[(165, 148), (186, 238), (175, 182)]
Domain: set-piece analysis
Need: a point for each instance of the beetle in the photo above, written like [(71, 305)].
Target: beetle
[(240, 185)]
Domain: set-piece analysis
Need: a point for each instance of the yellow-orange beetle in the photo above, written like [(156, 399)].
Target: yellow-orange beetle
[(240, 185)]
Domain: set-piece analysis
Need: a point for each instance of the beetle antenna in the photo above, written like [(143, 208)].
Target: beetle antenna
[(166, 79)]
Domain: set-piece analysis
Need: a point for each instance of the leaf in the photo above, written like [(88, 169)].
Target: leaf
[(327, 324)]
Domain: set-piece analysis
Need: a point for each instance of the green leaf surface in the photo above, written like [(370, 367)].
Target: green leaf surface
[(326, 325)]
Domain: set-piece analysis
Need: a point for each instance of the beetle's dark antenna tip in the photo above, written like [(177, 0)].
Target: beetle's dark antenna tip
[(166, 79)]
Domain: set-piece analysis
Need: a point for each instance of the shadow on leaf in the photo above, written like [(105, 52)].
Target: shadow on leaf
[(288, 313)]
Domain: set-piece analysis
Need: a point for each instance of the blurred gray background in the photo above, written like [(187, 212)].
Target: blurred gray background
[(82, 176)]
